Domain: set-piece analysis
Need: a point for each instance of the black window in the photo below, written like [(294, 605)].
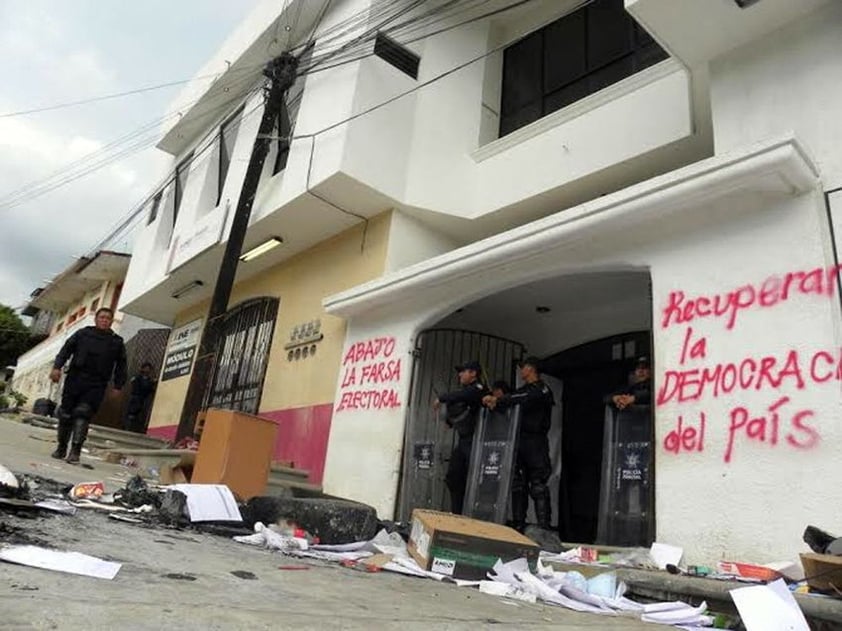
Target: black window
[(181, 173), (577, 55), (156, 203), (227, 138), (399, 56)]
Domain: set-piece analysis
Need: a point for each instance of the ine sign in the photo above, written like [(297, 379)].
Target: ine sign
[(181, 350)]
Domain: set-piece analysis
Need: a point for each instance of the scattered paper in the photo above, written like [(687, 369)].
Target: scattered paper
[(70, 562), (268, 538), (664, 554), (209, 502), (8, 478), (507, 591), (788, 569), (677, 613), (56, 505), (769, 607)]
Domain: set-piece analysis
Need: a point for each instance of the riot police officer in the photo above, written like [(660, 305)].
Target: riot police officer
[(462, 408), (532, 462), (638, 392), (96, 354)]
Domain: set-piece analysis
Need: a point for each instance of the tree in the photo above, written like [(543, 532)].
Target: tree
[(14, 336)]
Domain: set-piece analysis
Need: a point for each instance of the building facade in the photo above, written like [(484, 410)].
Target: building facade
[(584, 181)]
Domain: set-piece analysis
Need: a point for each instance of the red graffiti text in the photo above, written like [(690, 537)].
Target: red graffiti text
[(686, 437), (768, 372), (375, 348), (367, 367), (774, 290), (767, 427)]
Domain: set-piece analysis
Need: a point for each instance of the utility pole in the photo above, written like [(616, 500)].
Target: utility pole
[(281, 73)]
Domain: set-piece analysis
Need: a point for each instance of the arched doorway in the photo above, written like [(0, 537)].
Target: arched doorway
[(428, 441), (588, 328), (242, 355)]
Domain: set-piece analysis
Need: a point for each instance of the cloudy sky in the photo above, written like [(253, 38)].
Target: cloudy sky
[(55, 51)]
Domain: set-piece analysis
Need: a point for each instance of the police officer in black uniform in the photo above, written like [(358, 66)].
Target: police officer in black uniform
[(97, 354), (638, 392), (143, 387), (532, 463), (461, 409)]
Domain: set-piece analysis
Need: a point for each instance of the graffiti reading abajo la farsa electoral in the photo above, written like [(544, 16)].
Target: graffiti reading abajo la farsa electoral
[(366, 365)]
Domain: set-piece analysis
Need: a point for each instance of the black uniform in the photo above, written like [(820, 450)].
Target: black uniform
[(641, 391), (142, 388), (461, 414), (95, 356), (532, 463)]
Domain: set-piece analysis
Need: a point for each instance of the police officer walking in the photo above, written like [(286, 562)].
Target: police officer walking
[(96, 354), (532, 462), (461, 409)]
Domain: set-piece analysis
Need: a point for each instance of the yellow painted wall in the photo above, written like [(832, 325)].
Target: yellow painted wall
[(301, 283)]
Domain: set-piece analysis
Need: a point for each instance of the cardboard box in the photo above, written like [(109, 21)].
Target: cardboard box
[(236, 450), (823, 571), (461, 547)]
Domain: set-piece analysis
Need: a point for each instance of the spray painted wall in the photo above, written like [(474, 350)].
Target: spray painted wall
[(744, 336)]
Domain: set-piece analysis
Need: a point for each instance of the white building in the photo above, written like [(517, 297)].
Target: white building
[(583, 181)]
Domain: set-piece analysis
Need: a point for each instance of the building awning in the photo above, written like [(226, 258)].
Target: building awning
[(777, 168), (86, 274)]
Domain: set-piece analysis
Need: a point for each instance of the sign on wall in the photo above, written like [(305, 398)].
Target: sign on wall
[(181, 350)]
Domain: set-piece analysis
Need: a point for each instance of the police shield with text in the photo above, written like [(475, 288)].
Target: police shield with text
[(532, 465), (96, 354), (461, 409)]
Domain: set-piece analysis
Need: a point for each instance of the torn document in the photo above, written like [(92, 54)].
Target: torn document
[(209, 502), (769, 607), (70, 562)]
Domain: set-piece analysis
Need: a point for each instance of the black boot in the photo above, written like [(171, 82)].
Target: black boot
[(80, 433), (75, 451), (543, 509), (520, 503), (65, 428)]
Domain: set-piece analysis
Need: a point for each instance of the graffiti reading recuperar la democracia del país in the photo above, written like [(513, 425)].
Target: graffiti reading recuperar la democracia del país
[(696, 379), (369, 372)]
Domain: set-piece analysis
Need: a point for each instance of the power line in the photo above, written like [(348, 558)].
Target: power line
[(106, 97), (93, 162), (133, 216), (425, 83)]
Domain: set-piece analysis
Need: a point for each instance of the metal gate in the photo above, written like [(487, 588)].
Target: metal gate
[(428, 441), (242, 356)]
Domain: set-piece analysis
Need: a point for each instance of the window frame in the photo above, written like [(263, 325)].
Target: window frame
[(182, 167), (639, 55), (224, 164)]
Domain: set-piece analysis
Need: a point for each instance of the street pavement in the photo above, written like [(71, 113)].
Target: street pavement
[(182, 579)]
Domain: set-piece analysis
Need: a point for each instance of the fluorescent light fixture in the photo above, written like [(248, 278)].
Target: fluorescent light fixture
[(263, 248), (178, 293)]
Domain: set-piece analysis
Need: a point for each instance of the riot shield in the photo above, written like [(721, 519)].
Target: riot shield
[(626, 502), (426, 455), (492, 462)]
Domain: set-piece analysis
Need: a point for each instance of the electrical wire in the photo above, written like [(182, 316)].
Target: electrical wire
[(422, 85), (409, 22), (132, 218), (92, 162), (417, 23)]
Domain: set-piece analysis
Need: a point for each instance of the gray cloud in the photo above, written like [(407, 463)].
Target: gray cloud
[(74, 50)]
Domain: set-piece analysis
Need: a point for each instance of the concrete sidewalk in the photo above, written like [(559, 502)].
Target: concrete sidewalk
[(142, 596)]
